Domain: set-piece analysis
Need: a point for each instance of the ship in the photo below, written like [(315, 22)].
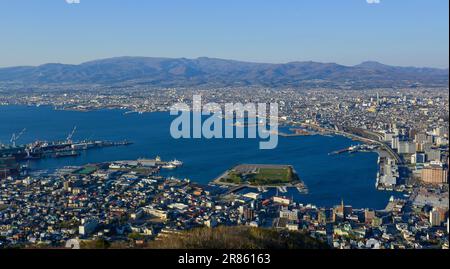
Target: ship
[(55, 149), (176, 163), (302, 190), (67, 154), (168, 166)]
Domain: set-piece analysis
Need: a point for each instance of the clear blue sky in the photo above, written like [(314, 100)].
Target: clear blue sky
[(397, 32)]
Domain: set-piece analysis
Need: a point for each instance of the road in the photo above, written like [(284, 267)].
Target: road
[(360, 138)]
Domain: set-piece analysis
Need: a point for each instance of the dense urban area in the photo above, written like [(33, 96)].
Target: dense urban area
[(127, 203)]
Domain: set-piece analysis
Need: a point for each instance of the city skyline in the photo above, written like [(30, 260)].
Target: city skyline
[(344, 32)]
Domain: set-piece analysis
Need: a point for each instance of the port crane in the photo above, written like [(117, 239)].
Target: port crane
[(69, 137), (15, 137)]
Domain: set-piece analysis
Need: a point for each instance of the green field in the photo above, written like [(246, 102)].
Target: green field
[(233, 178), (268, 176), (262, 176)]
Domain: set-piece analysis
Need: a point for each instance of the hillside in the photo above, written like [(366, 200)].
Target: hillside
[(238, 238), (182, 72)]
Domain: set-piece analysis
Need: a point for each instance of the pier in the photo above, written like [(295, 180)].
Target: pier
[(55, 149), (358, 148), (382, 145)]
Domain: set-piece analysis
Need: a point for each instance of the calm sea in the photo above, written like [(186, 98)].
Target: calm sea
[(329, 178)]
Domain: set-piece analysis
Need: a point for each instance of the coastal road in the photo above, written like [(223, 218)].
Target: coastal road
[(383, 145)]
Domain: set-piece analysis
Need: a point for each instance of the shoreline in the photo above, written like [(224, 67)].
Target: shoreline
[(206, 181)]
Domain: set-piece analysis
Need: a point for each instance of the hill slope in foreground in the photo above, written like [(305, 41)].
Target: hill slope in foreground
[(238, 238)]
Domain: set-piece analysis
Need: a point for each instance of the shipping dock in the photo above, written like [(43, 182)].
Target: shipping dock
[(53, 149)]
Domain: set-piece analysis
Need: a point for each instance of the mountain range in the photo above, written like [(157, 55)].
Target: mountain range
[(211, 72)]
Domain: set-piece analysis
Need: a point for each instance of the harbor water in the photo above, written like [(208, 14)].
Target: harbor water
[(329, 178)]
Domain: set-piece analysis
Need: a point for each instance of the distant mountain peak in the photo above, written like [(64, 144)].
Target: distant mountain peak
[(207, 72), (371, 64)]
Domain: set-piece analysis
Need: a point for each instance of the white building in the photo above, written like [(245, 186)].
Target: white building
[(406, 147), (289, 214), (252, 195), (282, 200), (388, 136)]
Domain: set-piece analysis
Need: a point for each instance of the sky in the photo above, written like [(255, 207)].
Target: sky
[(395, 32)]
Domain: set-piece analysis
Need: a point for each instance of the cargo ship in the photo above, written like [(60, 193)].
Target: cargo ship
[(67, 154), (57, 149)]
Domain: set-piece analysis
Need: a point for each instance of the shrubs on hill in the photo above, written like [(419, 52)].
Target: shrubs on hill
[(238, 238)]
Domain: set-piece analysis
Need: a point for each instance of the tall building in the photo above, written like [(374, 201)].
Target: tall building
[(388, 136), (406, 147), (433, 155), (395, 142), (435, 174), (435, 217), (388, 173)]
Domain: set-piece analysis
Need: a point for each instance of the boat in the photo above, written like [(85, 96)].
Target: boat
[(262, 189), (168, 166), (302, 190), (67, 154), (176, 163)]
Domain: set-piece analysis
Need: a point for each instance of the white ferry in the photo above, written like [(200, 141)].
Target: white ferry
[(168, 166), (176, 163)]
